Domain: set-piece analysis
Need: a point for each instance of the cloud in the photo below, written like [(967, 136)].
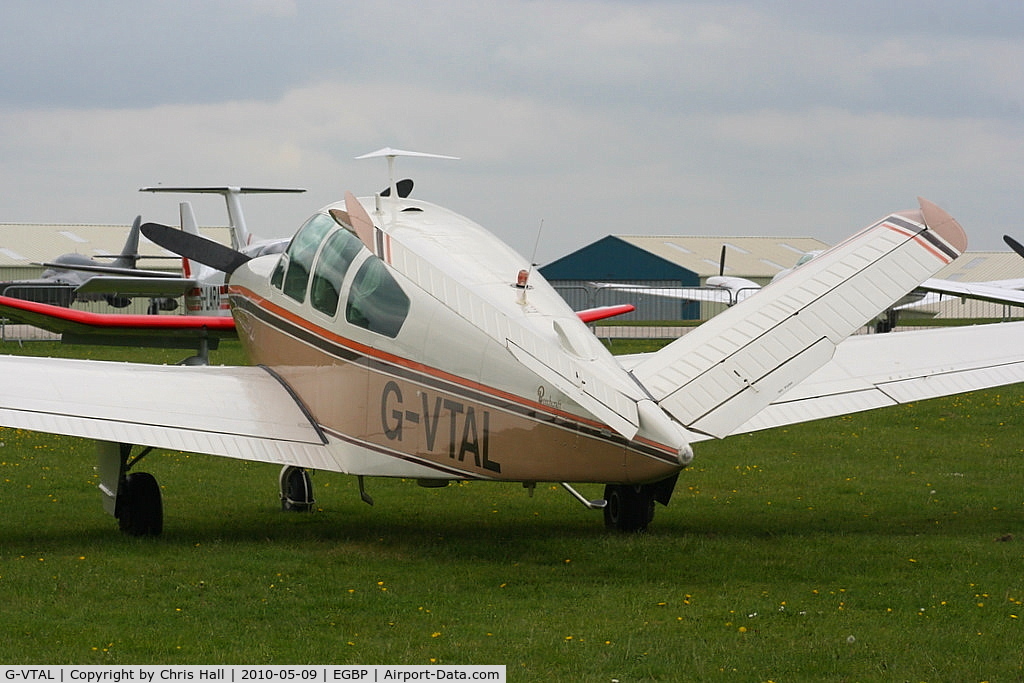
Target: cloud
[(596, 116)]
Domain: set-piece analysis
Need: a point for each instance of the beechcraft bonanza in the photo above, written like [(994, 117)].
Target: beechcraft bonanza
[(395, 338)]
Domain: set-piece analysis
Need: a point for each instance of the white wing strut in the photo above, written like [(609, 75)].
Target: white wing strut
[(733, 366)]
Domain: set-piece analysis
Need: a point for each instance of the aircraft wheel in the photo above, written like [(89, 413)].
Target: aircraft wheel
[(140, 506), (296, 489), (630, 508)]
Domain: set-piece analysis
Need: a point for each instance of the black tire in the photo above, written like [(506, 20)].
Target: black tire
[(296, 490), (140, 509), (630, 508)]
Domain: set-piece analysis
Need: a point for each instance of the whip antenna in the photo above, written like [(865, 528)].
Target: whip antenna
[(524, 275)]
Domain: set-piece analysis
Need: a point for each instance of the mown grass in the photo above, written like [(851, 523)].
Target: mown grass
[(881, 546)]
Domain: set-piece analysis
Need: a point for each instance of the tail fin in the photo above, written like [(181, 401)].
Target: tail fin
[(192, 268), (730, 368), (129, 257), (240, 235), (209, 296)]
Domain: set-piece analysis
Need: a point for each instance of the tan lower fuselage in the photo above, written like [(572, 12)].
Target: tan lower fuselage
[(411, 413)]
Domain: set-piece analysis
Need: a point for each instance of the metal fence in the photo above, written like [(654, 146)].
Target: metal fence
[(653, 308), (658, 313)]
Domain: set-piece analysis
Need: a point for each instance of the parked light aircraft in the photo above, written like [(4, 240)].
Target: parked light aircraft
[(396, 338), (721, 288), (72, 277), (209, 295)]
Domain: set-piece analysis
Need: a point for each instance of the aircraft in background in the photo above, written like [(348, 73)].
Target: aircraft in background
[(721, 288), (241, 238), (209, 316), (730, 290), (1009, 292), (74, 277), (209, 295), (395, 338)]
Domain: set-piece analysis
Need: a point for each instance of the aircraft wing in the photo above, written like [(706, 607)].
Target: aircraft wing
[(711, 294), (114, 270), (175, 331), (1005, 292), (137, 286), (878, 370), (590, 315), (239, 412)]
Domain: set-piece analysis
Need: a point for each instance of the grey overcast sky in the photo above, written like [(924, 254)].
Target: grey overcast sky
[(753, 117)]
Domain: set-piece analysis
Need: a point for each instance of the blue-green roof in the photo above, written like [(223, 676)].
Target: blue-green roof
[(611, 258)]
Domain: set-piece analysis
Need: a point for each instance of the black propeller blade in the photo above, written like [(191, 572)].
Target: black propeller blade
[(404, 188), (1014, 244), (194, 247)]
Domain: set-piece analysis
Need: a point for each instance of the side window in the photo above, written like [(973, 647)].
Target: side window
[(331, 266), (300, 255), (375, 301)]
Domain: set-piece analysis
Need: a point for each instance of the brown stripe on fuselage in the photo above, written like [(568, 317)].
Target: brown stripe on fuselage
[(405, 409)]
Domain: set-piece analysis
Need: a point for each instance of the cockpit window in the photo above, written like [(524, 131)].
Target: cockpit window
[(331, 266), (300, 255), (375, 301)]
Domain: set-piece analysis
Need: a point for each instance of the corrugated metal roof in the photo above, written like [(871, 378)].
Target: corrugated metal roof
[(22, 244), (763, 257), (750, 257), (983, 266)]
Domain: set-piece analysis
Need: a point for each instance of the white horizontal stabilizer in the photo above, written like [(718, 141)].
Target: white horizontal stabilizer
[(730, 368), (879, 370)]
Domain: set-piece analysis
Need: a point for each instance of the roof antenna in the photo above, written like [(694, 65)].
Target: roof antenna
[(523, 278), (390, 155)]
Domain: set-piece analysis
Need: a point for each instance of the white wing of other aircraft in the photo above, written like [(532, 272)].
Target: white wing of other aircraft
[(397, 338), (996, 291)]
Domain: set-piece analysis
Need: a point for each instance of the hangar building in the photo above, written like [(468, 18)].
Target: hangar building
[(668, 261), (687, 261)]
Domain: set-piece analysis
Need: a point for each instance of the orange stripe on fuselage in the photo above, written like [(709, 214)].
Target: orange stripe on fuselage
[(665, 452)]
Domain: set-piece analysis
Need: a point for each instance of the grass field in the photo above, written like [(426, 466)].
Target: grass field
[(882, 546)]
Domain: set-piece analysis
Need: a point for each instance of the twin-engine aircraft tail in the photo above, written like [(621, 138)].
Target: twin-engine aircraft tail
[(730, 368)]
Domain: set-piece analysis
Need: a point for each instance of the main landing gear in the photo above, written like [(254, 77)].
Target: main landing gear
[(134, 499), (296, 489)]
